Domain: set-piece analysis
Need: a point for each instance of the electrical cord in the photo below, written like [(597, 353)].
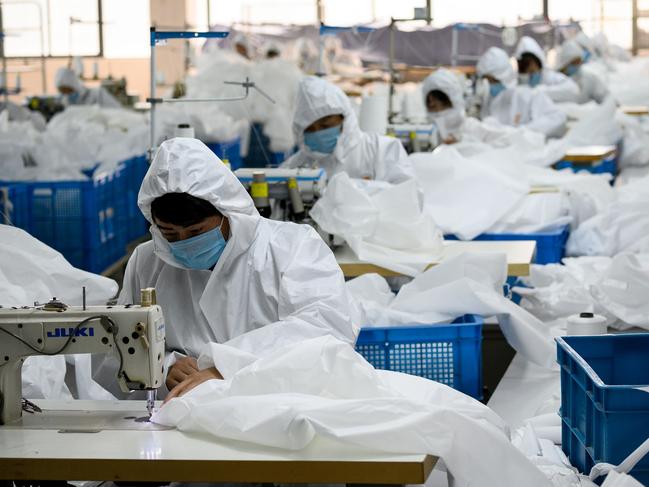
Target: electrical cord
[(110, 328)]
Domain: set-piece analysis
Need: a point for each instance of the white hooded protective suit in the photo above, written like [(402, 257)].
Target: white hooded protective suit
[(558, 86), (87, 96), (276, 283), (449, 122), (360, 155), (591, 86), (518, 106)]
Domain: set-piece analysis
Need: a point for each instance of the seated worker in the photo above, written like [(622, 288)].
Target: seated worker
[(518, 106), (328, 135), (444, 100), (533, 72), (272, 50), (75, 93), (570, 61), (222, 273)]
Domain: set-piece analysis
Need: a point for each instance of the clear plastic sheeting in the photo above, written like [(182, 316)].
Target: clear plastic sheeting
[(30, 272), (383, 223), (323, 388), (615, 288)]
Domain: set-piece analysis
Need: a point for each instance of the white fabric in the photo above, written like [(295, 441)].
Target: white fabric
[(383, 224), (276, 282), (322, 388), (522, 106), (469, 283), (30, 272), (360, 155), (465, 197), (622, 226), (614, 288), (17, 113), (614, 479)]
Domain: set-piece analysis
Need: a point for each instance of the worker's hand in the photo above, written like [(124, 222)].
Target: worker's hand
[(181, 370), (192, 381), (450, 140)]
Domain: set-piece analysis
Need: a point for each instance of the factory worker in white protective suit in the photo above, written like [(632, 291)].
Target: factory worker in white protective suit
[(570, 61), (222, 273), (74, 92), (517, 106), (327, 131), (532, 71), (241, 45), (444, 100)]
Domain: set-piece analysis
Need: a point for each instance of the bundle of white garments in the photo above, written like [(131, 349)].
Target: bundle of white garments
[(383, 223), (620, 226), (277, 78), (321, 388), (615, 288), (79, 138), (31, 272)]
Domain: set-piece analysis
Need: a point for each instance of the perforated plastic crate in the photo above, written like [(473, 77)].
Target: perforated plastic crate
[(450, 353), (84, 220), (14, 205), (230, 150), (605, 414), (608, 165), (134, 169)]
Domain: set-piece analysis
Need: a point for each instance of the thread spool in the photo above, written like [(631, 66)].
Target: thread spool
[(184, 130), (373, 117), (586, 324)]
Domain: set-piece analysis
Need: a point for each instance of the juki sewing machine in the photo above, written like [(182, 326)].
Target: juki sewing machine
[(136, 334)]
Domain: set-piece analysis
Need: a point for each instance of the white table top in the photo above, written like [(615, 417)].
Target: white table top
[(520, 254), (142, 454)]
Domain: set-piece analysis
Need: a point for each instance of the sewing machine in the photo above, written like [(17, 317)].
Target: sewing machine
[(293, 191), (136, 334)]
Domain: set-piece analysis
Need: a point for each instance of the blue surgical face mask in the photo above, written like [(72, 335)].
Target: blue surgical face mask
[(72, 98), (323, 141), (200, 252), (572, 69), (587, 56), (535, 78), (495, 89)]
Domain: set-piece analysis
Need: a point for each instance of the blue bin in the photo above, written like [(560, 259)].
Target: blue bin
[(450, 353), (604, 416), (14, 205), (550, 246), (605, 166), (230, 150), (84, 220), (135, 169)]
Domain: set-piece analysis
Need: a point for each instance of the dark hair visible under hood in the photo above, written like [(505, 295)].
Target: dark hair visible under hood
[(182, 209), (441, 97), (526, 59)]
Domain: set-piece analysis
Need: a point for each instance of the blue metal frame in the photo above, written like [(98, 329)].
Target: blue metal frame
[(164, 35), (333, 30)]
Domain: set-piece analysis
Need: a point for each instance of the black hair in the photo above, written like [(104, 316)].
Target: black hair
[(441, 97), (526, 60), (182, 209)]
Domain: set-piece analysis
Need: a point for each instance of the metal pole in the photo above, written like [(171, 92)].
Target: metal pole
[(429, 11), (634, 27), (43, 71), (546, 10), (209, 13), (152, 96), (4, 60), (392, 72), (100, 25), (319, 11)]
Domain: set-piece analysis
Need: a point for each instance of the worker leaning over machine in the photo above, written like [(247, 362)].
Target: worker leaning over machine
[(518, 106), (74, 92), (570, 61), (222, 273), (532, 71), (328, 135)]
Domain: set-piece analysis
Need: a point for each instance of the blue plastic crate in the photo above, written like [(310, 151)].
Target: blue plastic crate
[(278, 157), (608, 165), (135, 170), (550, 246), (84, 220), (14, 205), (230, 150), (449, 353), (604, 416)]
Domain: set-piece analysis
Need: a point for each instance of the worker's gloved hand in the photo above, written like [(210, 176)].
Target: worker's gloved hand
[(192, 381), (181, 370)]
